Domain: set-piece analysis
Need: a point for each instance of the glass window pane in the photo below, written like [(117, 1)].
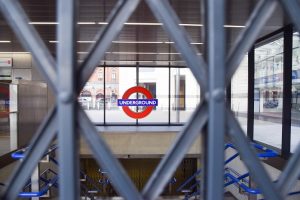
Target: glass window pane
[(156, 80), (91, 97), (268, 93), (239, 93), (185, 94), (295, 128), (117, 81)]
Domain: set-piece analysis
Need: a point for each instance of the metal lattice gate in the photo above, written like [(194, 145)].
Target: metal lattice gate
[(67, 118)]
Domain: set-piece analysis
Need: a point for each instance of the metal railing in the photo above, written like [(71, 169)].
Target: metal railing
[(263, 154), (49, 183)]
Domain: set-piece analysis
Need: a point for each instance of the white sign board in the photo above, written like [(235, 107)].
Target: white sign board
[(5, 62)]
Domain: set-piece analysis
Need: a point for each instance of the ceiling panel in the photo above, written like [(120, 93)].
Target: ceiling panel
[(95, 11)]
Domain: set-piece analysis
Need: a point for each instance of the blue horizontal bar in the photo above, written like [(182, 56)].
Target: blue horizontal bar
[(137, 102), (242, 185), (21, 153), (42, 192)]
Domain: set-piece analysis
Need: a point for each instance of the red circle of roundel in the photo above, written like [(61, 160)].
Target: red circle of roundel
[(137, 115)]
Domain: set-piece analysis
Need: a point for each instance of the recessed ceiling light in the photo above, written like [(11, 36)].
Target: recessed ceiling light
[(83, 41), (234, 26), (135, 24), (142, 53), (126, 42), (5, 41), (43, 23), (143, 24), (144, 61), (87, 23), (102, 23), (198, 25), (80, 41), (138, 42), (20, 52)]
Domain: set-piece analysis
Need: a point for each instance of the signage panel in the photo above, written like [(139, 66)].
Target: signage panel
[(5, 62)]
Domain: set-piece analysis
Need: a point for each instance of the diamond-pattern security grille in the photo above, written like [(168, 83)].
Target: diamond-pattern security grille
[(67, 119)]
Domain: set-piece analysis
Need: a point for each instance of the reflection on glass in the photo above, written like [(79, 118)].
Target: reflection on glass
[(156, 80), (117, 81), (185, 94), (91, 98), (295, 127), (239, 93), (268, 93), (5, 141)]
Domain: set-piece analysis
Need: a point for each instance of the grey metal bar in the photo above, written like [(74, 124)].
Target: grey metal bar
[(257, 172), (120, 15), (216, 101), (37, 148), (174, 156), (246, 39), (119, 179), (66, 100), (292, 8), (290, 174), (166, 15), (204, 139), (30, 39)]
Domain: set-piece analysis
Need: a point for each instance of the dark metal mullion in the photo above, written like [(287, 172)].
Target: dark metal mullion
[(250, 106), (291, 173), (104, 93), (169, 96), (169, 88), (137, 57), (215, 16), (68, 137), (137, 84), (287, 91), (228, 94)]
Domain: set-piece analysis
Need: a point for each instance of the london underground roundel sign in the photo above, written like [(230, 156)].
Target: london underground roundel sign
[(149, 102)]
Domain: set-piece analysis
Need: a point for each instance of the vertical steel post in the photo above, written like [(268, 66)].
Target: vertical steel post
[(66, 67), (216, 99)]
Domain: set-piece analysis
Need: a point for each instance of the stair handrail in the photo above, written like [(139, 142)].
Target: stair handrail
[(42, 192), (267, 153), (20, 154)]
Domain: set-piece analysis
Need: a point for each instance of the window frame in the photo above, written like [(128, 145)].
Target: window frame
[(287, 33)]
